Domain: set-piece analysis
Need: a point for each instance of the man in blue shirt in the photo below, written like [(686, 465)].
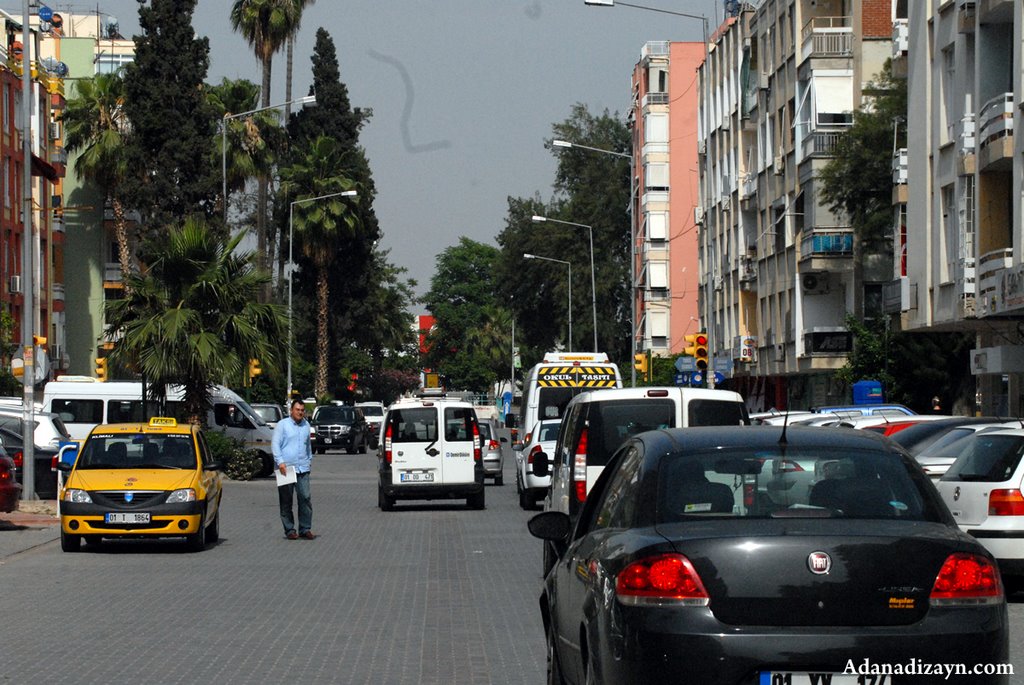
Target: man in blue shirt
[(291, 447)]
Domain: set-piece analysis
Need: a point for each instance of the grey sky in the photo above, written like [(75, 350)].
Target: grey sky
[(463, 94)]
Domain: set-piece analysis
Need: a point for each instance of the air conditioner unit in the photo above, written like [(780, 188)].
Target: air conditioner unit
[(762, 81), (726, 203), (698, 215), (726, 121), (14, 285), (702, 147), (780, 165), (719, 282), (814, 283), (55, 130)]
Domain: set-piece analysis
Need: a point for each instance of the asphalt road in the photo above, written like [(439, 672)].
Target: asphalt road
[(430, 593)]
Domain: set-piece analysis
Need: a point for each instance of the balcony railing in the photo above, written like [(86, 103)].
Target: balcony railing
[(654, 99), (899, 166), (997, 118), (900, 37), (654, 48), (57, 290), (965, 135), (57, 225), (112, 272), (820, 143), (828, 37), (827, 242)]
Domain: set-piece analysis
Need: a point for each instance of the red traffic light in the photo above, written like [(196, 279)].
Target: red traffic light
[(701, 339)]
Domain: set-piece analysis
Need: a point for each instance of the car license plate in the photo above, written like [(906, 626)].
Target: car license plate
[(417, 477), (784, 678), (127, 518)]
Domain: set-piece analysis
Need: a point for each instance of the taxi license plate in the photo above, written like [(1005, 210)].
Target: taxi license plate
[(784, 678), (127, 518), (417, 477)]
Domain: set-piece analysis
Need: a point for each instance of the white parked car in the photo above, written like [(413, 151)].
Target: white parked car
[(941, 454), (983, 490), (538, 444)]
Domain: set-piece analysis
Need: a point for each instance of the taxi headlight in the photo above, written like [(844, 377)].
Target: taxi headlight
[(182, 495), (77, 496)]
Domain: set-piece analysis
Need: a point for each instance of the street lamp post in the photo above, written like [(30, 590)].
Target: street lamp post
[(568, 264), (307, 101), (707, 177), (291, 268), (593, 291)]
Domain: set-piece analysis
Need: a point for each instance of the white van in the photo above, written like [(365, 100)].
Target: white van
[(431, 450), (83, 405)]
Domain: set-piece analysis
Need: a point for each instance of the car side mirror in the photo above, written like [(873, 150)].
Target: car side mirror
[(550, 525), (64, 467), (214, 466), (505, 440), (517, 447), (540, 465)]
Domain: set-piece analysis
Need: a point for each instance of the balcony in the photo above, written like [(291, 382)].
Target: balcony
[(112, 275), (965, 16), (57, 292), (899, 166), (58, 155), (900, 38), (991, 266), (966, 143), (748, 273), (654, 48), (823, 245), (827, 37), (654, 99), (749, 186), (820, 143), (57, 225), (995, 151)]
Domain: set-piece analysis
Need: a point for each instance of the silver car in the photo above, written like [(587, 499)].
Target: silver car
[(494, 460), (539, 441)]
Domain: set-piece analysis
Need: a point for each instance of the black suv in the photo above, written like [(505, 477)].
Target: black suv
[(335, 426)]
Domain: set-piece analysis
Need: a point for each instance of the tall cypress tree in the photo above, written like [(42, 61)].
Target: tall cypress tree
[(173, 127), (352, 268)]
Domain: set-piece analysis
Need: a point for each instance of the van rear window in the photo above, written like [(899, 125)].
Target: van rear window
[(715, 413), (611, 423), (413, 425)]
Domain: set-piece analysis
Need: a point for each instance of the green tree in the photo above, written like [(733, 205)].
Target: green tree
[(462, 290), (170, 146), (95, 125), (321, 225), (191, 317)]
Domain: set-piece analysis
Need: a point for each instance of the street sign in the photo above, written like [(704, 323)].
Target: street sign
[(685, 364), (723, 364), (719, 378), (697, 378), (682, 378), (45, 13)]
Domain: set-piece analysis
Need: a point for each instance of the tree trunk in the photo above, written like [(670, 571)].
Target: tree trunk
[(121, 235), (262, 182), (322, 292), (288, 79)]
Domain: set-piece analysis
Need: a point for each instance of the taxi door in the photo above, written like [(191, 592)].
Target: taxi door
[(461, 438), (415, 446)]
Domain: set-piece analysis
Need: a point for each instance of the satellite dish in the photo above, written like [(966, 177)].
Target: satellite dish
[(57, 21), (62, 69), (45, 26), (45, 13), (50, 64)]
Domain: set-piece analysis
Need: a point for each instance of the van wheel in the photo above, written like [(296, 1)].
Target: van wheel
[(476, 501), (383, 501), (499, 479), (268, 464), (70, 543), (196, 542), (524, 500)]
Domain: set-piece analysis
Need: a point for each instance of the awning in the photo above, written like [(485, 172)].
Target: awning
[(40, 167)]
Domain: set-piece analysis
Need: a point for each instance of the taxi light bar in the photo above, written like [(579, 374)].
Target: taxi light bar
[(165, 421)]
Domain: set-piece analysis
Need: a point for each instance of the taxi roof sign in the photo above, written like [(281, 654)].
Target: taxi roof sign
[(163, 421)]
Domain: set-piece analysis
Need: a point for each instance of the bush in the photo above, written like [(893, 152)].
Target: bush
[(239, 463)]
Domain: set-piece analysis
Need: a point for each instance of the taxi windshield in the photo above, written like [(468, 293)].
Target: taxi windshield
[(138, 451)]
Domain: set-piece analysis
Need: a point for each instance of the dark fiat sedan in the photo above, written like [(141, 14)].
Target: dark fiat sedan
[(750, 555)]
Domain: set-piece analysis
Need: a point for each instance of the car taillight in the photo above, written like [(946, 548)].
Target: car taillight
[(387, 444), (526, 440), (19, 460), (579, 469), (967, 580), (1005, 503), (535, 450), (477, 452), (663, 579), (493, 445), (54, 460)]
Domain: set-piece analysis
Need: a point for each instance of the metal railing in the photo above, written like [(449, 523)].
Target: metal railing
[(828, 37), (997, 117), (827, 242), (821, 143)]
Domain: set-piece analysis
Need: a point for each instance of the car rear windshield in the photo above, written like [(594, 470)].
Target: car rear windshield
[(335, 415), (825, 482), (138, 451), (548, 432), (485, 431), (987, 457)]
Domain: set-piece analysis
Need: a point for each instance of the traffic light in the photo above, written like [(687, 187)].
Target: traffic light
[(101, 369), (697, 347), (640, 364), (254, 369), (353, 380)]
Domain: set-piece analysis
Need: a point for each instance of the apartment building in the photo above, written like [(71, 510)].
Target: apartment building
[(88, 44), (780, 270), (663, 118), (963, 260), (47, 167)]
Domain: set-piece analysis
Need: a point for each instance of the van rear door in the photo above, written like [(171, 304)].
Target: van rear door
[(415, 449), (461, 439)]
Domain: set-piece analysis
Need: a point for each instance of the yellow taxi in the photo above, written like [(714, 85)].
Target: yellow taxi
[(153, 479)]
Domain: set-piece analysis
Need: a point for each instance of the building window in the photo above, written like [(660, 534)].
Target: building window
[(949, 236), (656, 128), (657, 226), (658, 275), (656, 176)]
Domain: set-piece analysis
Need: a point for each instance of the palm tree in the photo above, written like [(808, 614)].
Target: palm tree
[(191, 317), (95, 125), (265, 25), (300, 6), (493, 338), (254, 141), (320, 227)]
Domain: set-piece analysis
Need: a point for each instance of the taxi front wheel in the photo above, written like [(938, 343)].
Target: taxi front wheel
[(196, 542), (70, 543)]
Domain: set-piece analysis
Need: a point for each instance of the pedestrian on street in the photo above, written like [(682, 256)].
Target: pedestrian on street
[(291, 447), (936, 405)]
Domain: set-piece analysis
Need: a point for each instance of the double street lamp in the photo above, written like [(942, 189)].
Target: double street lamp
[(568, 264), (291, 267), (593, 291), (307, 101)]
